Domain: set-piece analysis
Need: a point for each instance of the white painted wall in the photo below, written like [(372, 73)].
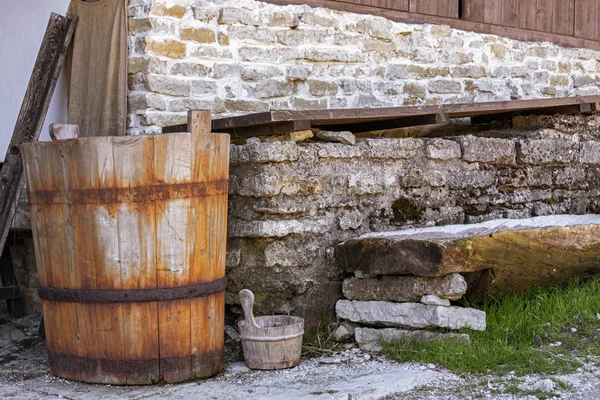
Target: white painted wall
[(22, 27)]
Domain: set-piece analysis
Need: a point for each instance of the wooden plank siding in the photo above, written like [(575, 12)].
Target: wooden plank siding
[(587, 19), (574, 23)]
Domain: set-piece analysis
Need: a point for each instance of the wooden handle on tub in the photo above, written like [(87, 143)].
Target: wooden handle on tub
[(247, 300)]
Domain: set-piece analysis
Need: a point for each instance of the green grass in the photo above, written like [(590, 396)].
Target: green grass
[(320, 342), (507, 344)]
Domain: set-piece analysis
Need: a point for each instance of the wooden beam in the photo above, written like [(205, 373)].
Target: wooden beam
[(370, 119), (275, 128), (395, 123), (28, 127), (356, 115), (569, 109), (462, 24)]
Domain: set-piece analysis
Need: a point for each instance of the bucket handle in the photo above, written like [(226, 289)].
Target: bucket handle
[(247, 300)]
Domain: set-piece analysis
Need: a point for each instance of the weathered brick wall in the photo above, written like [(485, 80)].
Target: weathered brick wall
[(241, 56), (290, 204)]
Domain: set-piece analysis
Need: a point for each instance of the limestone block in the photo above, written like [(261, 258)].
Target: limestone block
[(319, 17), (297, 72), (270, 88), (264, 152), (415, 90), (203, 88), (584, 80), (301, 104), (444, 86), (200, 35), (410, 315), (533, 177), (442, 149), (258, 73), (350, 220), (281, 17), (190, 68), (398, 71), (397, 149), (471, 71), (488, 150), (252, 34), (404, 288), (332, 54), (344, 137), (370, 339), (335, 150), (548, 151), (166, 47), (590, 153), (139, 25), (344, 332), (268, 229), (322, 88), (246, 105), (463, 176), (208, 52), (433, 300), (226, 70), (176, 10), (233, 15), (205, 13)]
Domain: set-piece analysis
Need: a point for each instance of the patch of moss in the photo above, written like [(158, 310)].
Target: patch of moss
[(406, 210)]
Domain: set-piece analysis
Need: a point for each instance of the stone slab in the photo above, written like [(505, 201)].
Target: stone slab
[(515, 253), (404, 288), (370, 339), (433, 300), (410, 315)]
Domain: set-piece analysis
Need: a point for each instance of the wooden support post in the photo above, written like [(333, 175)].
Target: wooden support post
[(48, 65)]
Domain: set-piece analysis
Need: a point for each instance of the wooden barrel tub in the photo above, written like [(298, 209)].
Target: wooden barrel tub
[(130, 237)]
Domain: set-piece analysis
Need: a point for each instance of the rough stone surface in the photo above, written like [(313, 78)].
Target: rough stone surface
[(488, 150), (344, 332), (410, 315), (404, 288), (433, 300), (340, 137), (442, 149), (369, 339), (265, 56)]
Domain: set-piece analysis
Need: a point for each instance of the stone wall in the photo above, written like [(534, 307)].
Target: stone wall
[(241, 56), (290, 203)]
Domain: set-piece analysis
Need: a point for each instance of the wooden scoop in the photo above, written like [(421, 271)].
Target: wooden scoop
[(247, 300)]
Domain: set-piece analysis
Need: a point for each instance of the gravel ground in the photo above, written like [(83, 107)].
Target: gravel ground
[(24, 375)]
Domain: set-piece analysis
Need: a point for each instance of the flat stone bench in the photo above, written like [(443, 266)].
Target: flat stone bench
[(496, 257)]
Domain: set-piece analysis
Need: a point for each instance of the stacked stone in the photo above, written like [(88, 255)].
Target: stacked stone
[(391, 307)]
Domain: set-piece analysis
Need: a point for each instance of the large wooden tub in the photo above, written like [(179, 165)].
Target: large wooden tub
[(130, 239)]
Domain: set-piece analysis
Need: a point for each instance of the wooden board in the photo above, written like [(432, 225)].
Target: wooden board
[(351, 116), (401, 5), (517, 253), (370, 119), (33, 111), (587, 19)]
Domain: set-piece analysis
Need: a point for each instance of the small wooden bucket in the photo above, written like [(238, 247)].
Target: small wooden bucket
[(269, 342)]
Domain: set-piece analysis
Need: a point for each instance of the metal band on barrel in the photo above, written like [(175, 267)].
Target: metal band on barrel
[(132, 296)]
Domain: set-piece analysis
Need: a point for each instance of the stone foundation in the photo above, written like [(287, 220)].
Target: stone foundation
[(291, 204)]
